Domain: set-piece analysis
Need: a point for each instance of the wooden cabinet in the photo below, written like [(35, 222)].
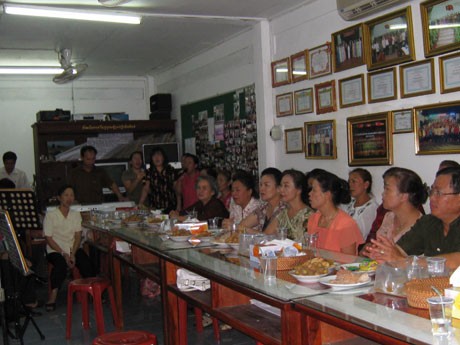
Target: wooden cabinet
[(50, 136)]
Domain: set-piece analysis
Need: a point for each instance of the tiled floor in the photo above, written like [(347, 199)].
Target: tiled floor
[(139, 314)]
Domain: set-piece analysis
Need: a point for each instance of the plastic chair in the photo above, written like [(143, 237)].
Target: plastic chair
[(126, 338)]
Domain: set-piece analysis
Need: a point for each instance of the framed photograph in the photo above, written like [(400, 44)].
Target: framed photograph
[(320, 140), (389, 40), (325, 97), (381, 85), (437, 128), (440, 22), (403, 121), (351, 91), (369, 140), (417, 78), (303, 100), (347, 48), (294, 140), (284, 104), (299, 66), (319, 61), (281, 72), (449, 69)]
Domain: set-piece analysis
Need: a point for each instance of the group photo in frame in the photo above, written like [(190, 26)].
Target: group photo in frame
[(325, 97), (389, 39), (403, 121), (369, 140), (440, 22), (449, 70), (284, 104), (347, 48), (294, 140), (299, 66), (417, 78), (351, 91), (303, 101), (381, 85), (319, 61), (320, 142), (281, 72), (437, 128)]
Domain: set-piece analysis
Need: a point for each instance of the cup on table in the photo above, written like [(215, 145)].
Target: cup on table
[(268, 266), (310, 243), (213, 223), (192, 214), (282, 233), (441, 315), (436, 266)]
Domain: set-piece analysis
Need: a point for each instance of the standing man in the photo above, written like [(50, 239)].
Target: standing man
[(185, 185), (10, 172), (88, 180)]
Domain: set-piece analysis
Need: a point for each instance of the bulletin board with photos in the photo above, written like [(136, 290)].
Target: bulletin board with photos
[(224, 130)]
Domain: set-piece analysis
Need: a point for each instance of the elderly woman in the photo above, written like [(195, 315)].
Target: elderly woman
[(336, 230), (208, 205), (271, 206), (293, 193), (363, 207)]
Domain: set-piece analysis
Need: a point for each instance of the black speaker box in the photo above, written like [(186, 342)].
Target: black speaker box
[(160, 102), (53, 115)]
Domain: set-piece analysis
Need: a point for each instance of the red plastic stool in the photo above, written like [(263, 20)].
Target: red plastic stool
[(95, 287), (126, 338)]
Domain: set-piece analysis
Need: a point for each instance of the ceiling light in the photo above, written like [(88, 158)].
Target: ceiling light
[(51, 12), (30, 70)]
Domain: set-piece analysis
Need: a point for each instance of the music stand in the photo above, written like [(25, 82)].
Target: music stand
[(18, 261)]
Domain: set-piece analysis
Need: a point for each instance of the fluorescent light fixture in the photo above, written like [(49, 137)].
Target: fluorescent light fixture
[(30, 70), (50, 12)]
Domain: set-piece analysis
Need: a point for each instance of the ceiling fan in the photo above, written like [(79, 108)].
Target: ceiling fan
[(71, 72)]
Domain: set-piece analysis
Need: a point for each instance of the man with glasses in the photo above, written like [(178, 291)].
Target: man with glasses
[(437, 234)]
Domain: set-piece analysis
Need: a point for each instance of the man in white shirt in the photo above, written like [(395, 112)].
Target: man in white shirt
[(10, 172)]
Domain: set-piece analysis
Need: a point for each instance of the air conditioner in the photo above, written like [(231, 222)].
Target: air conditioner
[(355, 9)]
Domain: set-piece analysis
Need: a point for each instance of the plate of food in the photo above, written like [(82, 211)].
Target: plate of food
[(368, 266), (179, 238), (204, 236), (345, 279), (307, 278)]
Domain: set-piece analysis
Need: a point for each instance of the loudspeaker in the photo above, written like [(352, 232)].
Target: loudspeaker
[(161, 102)]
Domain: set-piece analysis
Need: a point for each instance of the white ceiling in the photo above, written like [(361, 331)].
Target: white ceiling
[(117, 49)]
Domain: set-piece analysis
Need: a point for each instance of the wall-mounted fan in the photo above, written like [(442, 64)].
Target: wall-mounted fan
[(71, 72)]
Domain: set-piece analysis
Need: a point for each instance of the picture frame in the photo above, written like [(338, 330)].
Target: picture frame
[(369, 140), (381, 85), (303, 101), (449, 71), (281, 72), (294, 140), (436, 128), (319, 61), (351, 91), (284, 104), (320, 140), (417, 78), (389, 39), (347, 48), (325, 97), (439, 18), (403, 121), (299, 66)]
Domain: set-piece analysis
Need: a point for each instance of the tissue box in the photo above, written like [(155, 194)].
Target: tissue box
[(454, 292), (194, 228), (257, 250)]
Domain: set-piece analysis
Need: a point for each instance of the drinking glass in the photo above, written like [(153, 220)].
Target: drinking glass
[(268, 266), (436, 266), (310, 243), (441, 314)]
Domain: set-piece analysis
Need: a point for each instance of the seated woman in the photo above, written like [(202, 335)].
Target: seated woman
[(293, 192), (336, 230), (269, 189), (207, 206), (134, 179), (363, 207), (224, 183), (244, 198), (62, 228)]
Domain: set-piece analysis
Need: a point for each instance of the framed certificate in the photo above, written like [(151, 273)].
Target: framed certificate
[(320, 61), (294, 140), (403, 121), (299, 68), (351, 91), (284, 104), (303, 100), (449, 70), (325, 97), (381, 85), (417, 78), (281, 72)]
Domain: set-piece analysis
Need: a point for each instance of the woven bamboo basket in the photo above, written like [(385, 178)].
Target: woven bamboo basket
[(418, 290), (288, 263)]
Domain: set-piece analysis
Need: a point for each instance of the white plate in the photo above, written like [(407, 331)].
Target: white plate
[(356, 264), (179, 238), (327, 281), (307, 279)]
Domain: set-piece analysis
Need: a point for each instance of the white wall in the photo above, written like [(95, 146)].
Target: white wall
[(22, 98)]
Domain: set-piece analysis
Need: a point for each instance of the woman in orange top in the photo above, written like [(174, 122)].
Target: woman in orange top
[(336, 230)]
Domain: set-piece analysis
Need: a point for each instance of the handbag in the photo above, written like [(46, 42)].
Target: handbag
[(188, 281)]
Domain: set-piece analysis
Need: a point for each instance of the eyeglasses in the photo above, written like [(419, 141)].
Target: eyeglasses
[(438, 193)]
